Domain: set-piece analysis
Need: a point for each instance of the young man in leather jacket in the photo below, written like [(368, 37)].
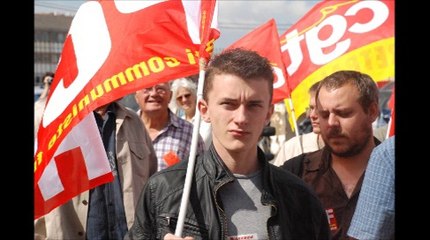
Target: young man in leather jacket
[(235, 193)]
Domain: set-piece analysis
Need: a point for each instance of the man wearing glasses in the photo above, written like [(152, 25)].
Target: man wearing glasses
[(171, 135)]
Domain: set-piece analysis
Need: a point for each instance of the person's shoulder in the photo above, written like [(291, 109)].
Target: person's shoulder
[(184, 122), (384, 152), (291, 140), (126, 112), (294, 162), (289, 144), (179, 122), (172, 177), (310, 136), (387, 144), (166, 184), (280, 174), (289, 182)]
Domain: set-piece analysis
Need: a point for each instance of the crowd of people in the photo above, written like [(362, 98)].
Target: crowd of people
[(335, 182)]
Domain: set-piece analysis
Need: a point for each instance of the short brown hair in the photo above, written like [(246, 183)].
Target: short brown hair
[(365, 85), (246, 64)]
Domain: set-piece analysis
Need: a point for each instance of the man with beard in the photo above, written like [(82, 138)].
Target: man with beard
[(347, 105)]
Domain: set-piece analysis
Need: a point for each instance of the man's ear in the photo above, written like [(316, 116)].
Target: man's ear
[(269, 113), (373, 112), (204, 110)]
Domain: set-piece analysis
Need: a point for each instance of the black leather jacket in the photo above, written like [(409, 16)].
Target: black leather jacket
[(296, 212)]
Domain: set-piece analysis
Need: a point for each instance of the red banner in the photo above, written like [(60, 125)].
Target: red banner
[(114, 48), (338, 35), (265, 41), (79, 164)]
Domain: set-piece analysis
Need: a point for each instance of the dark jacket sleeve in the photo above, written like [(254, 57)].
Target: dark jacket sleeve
[(142, 227), (320, 229)]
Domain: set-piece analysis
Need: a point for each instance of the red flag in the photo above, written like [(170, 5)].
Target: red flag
[(338, 35), (80, 163), (265, 41), (115, 48), (208, 27)]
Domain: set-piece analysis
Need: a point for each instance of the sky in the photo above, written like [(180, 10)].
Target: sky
[(235, 18)]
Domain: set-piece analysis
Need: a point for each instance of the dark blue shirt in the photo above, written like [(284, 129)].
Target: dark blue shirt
[(106, 216)]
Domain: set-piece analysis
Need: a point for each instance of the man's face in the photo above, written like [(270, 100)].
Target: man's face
[(154, 99), (345, 127), (238, 111)]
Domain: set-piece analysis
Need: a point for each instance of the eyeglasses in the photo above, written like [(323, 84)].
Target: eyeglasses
[(185, 96), (158, 89)]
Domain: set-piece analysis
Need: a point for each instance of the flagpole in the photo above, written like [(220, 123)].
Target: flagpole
[(293, 117), (192, 156), (390, 122), (387, 134)]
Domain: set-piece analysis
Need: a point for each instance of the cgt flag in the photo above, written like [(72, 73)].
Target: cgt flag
[(265, 41), (114, 48), (338, 35)]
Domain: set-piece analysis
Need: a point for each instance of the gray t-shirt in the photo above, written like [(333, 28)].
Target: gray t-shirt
[(246, 216)]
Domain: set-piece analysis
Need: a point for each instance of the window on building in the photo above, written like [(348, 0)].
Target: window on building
[(61, 37), (54, 58)]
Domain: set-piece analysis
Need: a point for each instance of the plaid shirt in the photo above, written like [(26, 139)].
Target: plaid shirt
[(175, 137), (374, 215)]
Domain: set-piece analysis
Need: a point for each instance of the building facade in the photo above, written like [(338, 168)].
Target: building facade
[(50, 31)]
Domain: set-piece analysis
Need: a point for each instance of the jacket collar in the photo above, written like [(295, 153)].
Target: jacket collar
[(218, 172), (322, 158)]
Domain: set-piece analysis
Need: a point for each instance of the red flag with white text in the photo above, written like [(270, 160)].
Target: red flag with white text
[(79, 164), (114, 48), (265, 41), (338, 35)]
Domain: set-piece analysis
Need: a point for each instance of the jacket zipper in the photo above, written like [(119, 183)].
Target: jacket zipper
[(224, 230)]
